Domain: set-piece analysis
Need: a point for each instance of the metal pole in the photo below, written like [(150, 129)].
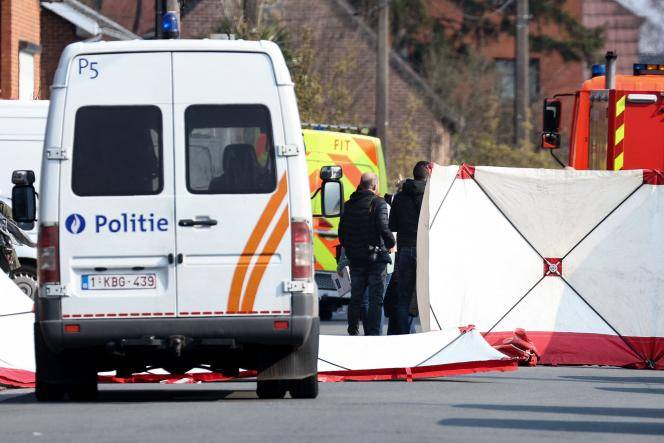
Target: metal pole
[(251, 15), (522, 88), (610, 76), (158, 12), (382, 77)]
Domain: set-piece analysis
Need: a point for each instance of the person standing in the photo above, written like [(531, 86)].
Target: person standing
[(404, 218), (366, 237)]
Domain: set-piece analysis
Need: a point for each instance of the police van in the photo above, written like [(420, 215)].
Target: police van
[(174, 221)]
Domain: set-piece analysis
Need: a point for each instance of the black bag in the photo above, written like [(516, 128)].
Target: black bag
[(377, 254)]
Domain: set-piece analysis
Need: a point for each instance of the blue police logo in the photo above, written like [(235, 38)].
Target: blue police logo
[(75, 223)]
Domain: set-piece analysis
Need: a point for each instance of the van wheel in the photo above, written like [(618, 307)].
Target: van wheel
[(304, 388), (58, 374), (47, 363), (25, 278), (270, 389), (83, 391), (45, 391)]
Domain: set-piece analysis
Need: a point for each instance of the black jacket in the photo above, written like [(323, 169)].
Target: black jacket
[(405, 212), (364, 223)]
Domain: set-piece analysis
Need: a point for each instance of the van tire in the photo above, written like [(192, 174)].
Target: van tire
[(270, 389), (45, 391), (305, 388), (57, 375), (47, 362), (83, 391)]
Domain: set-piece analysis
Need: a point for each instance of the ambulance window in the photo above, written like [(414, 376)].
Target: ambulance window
[(117, 151), (229, 150)]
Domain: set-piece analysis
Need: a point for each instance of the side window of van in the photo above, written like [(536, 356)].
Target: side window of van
[(117, 151), (229, 150)]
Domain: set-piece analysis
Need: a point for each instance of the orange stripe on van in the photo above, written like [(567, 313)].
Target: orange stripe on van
[(252, 244), (369, 148), (269, 250), (351, 171)]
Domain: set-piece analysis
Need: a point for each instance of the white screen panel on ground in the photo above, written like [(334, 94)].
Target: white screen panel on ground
[(399, 351), (19, 351), (470, 346), (13, 299)]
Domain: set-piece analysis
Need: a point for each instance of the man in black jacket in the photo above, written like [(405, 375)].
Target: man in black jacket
[(404, 217), (364, 225)]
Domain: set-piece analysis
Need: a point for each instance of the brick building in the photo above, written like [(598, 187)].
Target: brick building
[(33, 35), (420, 123), (622, 29), (549, 72), (20, 49)]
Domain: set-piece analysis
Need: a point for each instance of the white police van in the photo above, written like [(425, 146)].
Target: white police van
[(174, 218)]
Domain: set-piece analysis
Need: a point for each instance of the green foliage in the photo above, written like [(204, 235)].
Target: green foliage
[(318, 99), (409, 152), (482, 20), (468, 84)]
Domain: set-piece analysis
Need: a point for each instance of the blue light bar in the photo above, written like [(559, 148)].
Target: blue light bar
[(598, 70), (170, 26), (648, 69)]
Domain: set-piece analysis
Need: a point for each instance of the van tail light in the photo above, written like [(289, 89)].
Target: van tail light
[(303, 250), (48, 255)]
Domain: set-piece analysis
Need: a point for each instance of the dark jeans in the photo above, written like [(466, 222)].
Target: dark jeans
[(369, 277), (406, 270)]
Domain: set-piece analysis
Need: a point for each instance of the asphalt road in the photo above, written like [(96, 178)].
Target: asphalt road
[(544, 403), (532, 403)]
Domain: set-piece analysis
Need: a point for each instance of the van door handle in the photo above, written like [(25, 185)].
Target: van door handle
[(188, 223)]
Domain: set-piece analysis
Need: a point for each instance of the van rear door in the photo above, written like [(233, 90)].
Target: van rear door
[(233, 235), (116, 188)]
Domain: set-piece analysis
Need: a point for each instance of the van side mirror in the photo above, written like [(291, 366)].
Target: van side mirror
[(24, 197), (332, 192), (332, 200)]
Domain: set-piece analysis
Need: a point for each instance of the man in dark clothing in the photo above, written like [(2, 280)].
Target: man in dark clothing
[(364, 225), (404, 218)]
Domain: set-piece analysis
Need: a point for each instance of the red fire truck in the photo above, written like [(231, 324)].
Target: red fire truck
[(617, 122)]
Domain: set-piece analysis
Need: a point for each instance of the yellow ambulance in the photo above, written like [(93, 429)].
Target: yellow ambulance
[(355, 153)]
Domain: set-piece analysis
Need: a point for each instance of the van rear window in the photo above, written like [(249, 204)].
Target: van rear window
[(229, 150), (117, 151)]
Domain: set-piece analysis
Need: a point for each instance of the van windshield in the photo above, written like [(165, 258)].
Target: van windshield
[(117, 151), (229, 150)]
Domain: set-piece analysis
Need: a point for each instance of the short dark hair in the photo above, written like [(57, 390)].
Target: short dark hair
[(421, 170)]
